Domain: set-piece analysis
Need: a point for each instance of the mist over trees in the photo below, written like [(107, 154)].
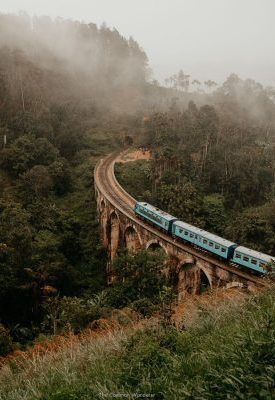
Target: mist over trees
[(71, 92), (214, 164), (62, 59)]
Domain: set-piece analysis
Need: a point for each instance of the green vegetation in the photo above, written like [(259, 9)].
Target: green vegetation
[(57, 116), (139, 286), (140, 283), (228, 353), (130, 173), (213, 164)]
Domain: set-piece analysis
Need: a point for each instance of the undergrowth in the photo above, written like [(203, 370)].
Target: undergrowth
[(229, 353)]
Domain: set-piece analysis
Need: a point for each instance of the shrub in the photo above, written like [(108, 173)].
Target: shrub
[(144, 307), (5, 341), (68, 313)]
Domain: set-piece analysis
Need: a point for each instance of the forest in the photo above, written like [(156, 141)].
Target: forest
[(57, 118), (213, 165), (71, 93)]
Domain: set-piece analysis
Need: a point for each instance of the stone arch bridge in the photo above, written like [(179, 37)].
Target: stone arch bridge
[(120, 227)]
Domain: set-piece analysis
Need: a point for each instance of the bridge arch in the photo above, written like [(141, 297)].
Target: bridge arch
[(132, 238), (113, 234), (205, 281), (103, 205), (205, 275), (155, 244), (193, 278)]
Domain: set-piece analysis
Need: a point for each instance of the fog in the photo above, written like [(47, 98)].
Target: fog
[(207, 39)]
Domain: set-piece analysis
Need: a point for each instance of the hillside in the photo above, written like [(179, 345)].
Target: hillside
[(45, 61), (227, 353), (213, 165), (71, 93), (67, 95)]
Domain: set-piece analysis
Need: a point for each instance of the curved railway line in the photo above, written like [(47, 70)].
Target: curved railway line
[(108, 185)]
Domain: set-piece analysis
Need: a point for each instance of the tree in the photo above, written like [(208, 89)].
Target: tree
[(46, 247), (66, 314), (183, 80), (26, 152), (60, 173), (251, 229), (182, 200), (208, 122), (36, 182), (15, 229), (139, 277), (214, 213), (196, 83), (210, 84)]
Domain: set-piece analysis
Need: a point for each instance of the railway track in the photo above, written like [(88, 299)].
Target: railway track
[(108, 185)]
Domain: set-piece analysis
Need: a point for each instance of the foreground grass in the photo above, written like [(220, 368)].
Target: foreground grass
[(229, 353)]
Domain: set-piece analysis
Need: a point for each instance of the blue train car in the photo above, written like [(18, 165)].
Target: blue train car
[(251, 259), (208, 241), (155, 215)]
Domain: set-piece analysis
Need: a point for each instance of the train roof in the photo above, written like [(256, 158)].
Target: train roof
[(205, 234), (156, 210), (254, 253)]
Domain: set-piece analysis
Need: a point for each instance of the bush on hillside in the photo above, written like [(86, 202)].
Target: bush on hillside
[(5, 341)]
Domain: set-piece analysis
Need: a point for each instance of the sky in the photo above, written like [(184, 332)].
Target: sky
[(208, 39)]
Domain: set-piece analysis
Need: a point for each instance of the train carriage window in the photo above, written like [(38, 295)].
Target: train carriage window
[(186, 233), (223, 250), (238, 255), (245, 258), (180, 230), (253, 261), (191, 235), (217, 246), (211, 244), (204, 241)]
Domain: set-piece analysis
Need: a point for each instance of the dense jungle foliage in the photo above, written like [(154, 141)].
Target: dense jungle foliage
[(214, 165), (60, 110), (69, 94)]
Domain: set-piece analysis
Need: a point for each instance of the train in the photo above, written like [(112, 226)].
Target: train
[(206, 241)]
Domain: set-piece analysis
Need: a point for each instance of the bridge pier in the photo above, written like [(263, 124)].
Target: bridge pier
[(192, 275)]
